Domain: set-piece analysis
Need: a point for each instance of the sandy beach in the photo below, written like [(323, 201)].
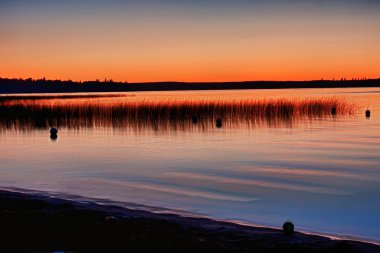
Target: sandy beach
[(36, 223)]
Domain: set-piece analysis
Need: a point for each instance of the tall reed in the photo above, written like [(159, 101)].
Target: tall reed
[(163, 114)]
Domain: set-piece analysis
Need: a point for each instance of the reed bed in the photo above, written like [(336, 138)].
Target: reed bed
[(164, 114)]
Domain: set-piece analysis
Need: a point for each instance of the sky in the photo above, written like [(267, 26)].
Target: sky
[(199, 40)]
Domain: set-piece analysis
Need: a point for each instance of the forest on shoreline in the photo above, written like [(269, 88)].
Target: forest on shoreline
[(24, 86)]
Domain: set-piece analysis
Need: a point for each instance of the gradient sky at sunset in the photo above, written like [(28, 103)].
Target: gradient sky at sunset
[(178, 40)]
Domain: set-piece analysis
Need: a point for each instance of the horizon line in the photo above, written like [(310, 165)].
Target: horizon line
[(110, 80)]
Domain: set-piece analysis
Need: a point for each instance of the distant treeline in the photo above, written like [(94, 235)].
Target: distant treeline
[(14, 86)]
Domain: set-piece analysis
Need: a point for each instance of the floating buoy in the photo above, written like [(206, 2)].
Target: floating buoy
[(333, 111), (219, 123), (288, 227), (368, 114), (53, 133)]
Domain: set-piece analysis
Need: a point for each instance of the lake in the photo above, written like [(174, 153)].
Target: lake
[(323, 172)]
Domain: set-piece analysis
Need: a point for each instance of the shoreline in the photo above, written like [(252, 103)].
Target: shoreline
[(30, 86), (115, 224), (172, 212)]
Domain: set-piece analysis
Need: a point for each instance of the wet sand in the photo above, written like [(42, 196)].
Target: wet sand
[(34, 223)]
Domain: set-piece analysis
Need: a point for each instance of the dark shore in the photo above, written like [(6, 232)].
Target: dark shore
[(34, 223), (27, 86)]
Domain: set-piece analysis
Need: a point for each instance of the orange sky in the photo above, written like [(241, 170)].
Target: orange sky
[(186, 45)]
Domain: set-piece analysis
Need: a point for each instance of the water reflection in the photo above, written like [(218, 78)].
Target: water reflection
[(324, 174), (163, 114)]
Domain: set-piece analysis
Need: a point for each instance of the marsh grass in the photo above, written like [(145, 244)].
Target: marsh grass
[(164, 114)]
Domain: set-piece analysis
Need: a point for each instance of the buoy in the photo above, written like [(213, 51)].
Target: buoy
[(53, 133), (218, 122), (288, 227), (333, 111), (368, 113)]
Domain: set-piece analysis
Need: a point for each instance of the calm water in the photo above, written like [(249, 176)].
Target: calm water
[(322, 173)]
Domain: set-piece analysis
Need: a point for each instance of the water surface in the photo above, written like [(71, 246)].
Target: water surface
[(323, 173)]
